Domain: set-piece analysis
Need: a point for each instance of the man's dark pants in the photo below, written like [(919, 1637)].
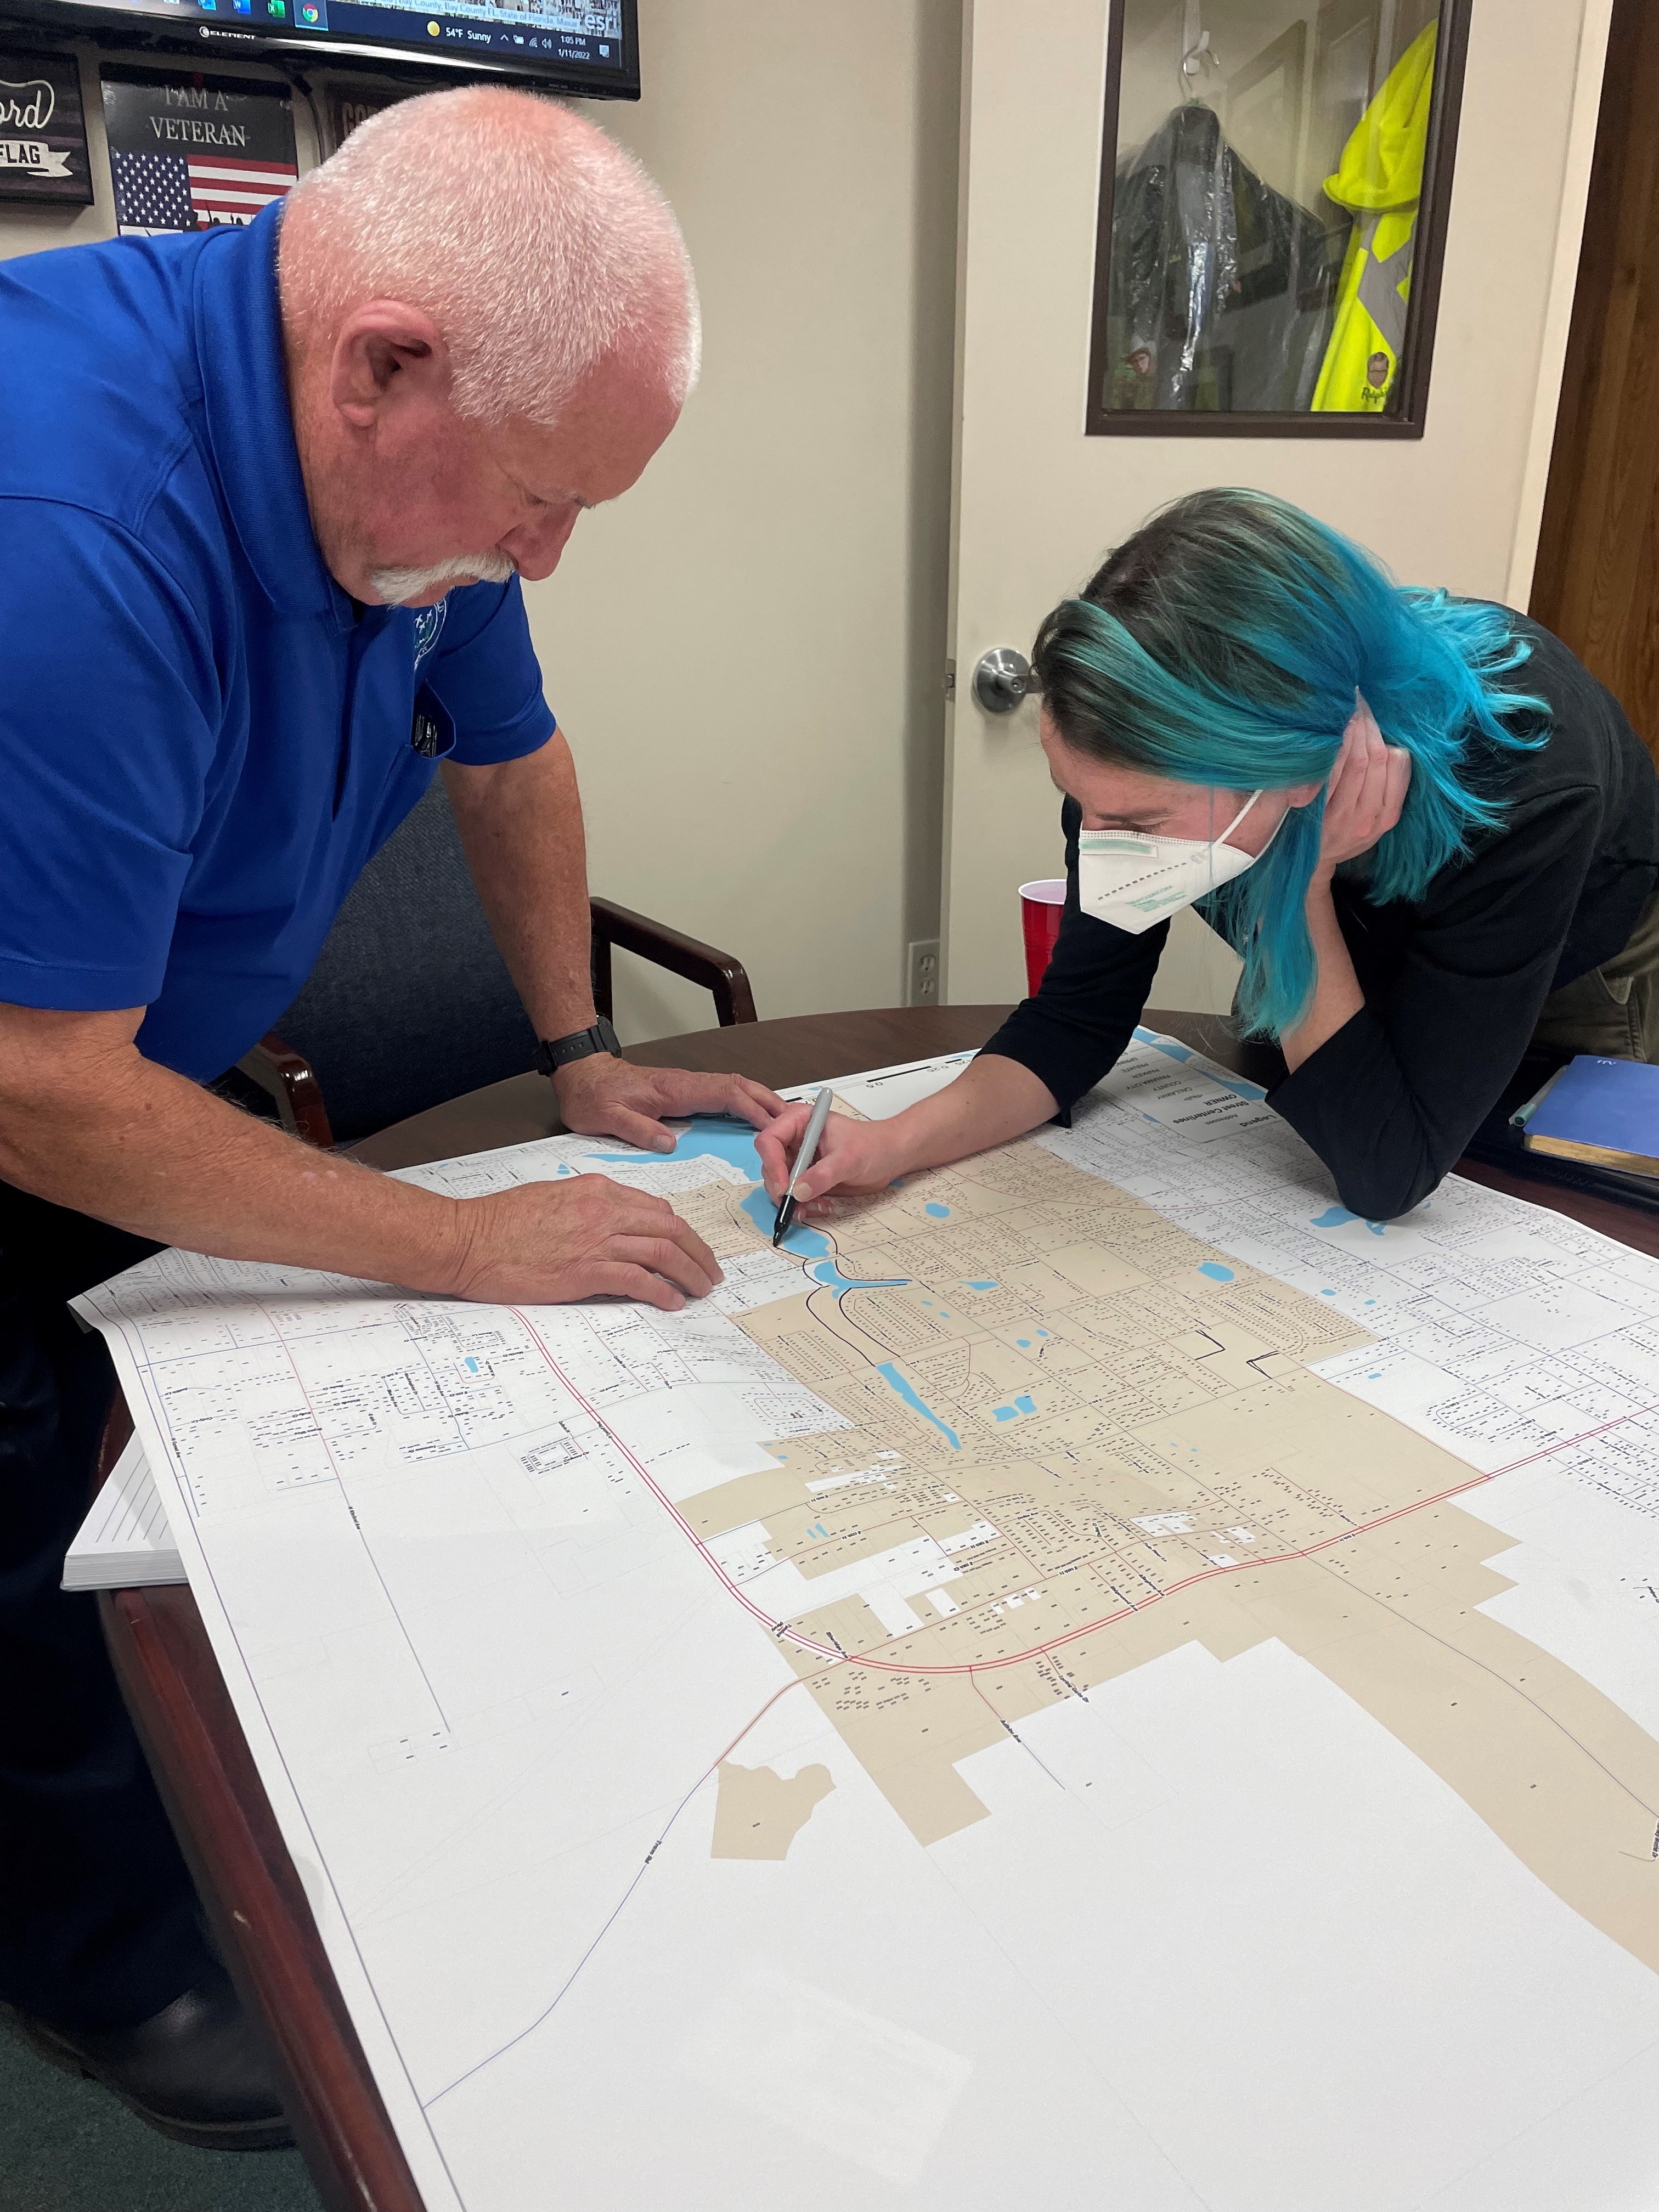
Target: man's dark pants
[(98, 1925)]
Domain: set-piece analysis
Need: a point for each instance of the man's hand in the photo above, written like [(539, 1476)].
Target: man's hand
[(604, 1096), (86, 1122), (520, 823), (1365, 793), (546, 1244)]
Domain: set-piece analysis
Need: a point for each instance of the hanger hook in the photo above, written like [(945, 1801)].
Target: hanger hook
[(1199, 54)]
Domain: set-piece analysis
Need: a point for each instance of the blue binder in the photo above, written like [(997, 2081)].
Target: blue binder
[(1606, 1111)]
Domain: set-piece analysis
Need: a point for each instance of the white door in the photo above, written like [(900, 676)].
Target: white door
[(1038, 502)]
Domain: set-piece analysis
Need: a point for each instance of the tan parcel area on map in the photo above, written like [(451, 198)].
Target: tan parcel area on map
[(1109, 1430)]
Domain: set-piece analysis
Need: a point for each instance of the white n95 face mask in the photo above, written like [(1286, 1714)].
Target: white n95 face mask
[(1133, 881)]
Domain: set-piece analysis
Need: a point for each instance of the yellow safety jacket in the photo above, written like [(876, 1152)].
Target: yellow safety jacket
[(1381, 180)]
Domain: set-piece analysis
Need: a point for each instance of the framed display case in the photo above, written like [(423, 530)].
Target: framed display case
[(1274, 182)]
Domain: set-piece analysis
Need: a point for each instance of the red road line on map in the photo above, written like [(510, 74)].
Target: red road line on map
[(1567, 1442), (838, 1658), (1268, 1559), (734, 1590), (1187, 1582)]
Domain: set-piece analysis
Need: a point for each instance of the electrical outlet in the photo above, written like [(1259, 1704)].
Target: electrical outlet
[(921, 986)]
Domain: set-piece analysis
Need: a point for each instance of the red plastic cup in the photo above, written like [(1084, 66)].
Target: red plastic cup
[(1040, 906)]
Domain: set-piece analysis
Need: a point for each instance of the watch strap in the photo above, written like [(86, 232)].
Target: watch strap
[(553, 1052)]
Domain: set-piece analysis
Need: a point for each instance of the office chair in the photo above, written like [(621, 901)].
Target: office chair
[(409, 1004)]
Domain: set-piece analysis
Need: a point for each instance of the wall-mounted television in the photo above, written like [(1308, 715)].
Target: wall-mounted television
[(592, 49)]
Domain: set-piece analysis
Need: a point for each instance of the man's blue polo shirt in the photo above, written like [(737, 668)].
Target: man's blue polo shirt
[(202, 740)]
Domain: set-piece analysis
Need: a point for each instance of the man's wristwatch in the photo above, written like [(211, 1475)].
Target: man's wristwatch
[(553, 1052)]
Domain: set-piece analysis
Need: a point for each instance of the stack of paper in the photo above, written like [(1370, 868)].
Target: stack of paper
[(125, 1542)]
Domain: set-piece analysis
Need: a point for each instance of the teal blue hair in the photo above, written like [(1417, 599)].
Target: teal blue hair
[(1224, 643)]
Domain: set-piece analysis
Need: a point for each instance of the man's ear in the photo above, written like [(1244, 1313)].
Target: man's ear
[(378, 345), (1304, 794)]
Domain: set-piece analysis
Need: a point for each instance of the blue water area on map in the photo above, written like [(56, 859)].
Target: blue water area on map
[(940, 1212), (706, 1132), (1216, 1272), (1337, 1217), (1163, 1045), (978, 1286), (829, 1272), (891, 1375), (1236, 1084), (1023, 1404), (803, 1242)]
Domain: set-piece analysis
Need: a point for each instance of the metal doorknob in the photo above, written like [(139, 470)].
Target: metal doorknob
[(1002, 678)]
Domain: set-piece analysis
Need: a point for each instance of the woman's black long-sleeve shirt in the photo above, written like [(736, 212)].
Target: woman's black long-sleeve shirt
[(1453, 982)]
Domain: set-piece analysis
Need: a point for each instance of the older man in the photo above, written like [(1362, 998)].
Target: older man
[(266, 496)]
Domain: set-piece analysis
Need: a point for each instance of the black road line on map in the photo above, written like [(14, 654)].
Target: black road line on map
[(616, 1913)]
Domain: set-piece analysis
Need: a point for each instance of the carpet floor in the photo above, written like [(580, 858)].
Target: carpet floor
[(67, 2146)]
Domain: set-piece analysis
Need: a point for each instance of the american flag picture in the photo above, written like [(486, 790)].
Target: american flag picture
[(160, 193)]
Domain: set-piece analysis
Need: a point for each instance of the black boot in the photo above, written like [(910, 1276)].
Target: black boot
[(192, 2071)]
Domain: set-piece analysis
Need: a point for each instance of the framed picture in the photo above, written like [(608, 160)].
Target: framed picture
[(43, 131), (189, 151), (1271, 222)]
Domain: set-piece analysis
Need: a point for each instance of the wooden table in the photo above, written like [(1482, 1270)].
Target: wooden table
[(179, 1699)]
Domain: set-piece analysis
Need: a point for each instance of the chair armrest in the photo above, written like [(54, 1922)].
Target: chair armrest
[(287, 1079), (716, 971)]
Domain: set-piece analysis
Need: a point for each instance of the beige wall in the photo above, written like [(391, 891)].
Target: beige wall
[(747, 651)]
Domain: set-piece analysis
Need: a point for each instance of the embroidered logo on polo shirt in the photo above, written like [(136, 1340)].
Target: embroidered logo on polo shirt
[(428, 627)]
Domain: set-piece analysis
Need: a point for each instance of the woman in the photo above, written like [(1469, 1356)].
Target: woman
[(1431, 836)]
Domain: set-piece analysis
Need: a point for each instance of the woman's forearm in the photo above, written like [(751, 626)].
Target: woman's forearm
[(1337, 996), (992, 1100)]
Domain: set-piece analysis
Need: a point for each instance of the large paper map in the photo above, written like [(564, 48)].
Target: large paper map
[(1095, 1673)]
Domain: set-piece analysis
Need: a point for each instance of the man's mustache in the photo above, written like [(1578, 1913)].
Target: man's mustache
[(395, 588)]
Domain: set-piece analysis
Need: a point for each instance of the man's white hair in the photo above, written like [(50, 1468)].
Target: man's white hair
[(536, 243)]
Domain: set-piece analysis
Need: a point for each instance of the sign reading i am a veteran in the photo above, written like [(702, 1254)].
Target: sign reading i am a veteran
[(187, 151), (43, 134)]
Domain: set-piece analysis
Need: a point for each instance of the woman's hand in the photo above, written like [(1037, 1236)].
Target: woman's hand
[(1365, 793), (992, 1100), (1363, 799), (853, 1156)]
